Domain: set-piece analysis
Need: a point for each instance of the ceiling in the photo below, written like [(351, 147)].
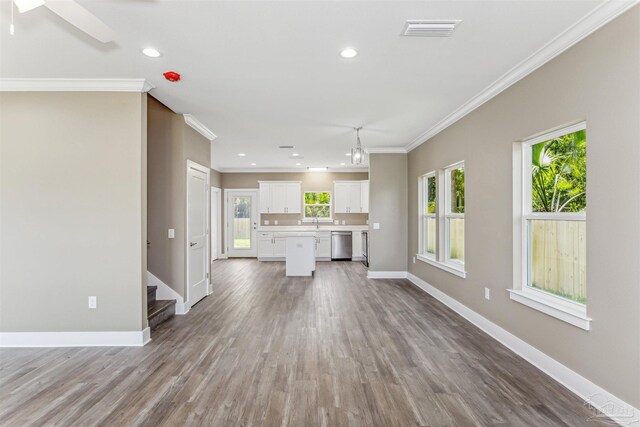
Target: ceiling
[(260, 74)]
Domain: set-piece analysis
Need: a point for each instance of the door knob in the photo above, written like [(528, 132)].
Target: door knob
[(192, 244)]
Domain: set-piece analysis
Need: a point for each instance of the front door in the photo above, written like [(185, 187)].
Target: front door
[(197, 232), (242, 214)]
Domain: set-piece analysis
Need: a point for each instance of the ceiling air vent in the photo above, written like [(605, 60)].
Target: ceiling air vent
[(430, 28), (287, 146)]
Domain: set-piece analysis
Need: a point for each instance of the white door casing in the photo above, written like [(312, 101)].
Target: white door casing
[(197, 242), (216, 219)]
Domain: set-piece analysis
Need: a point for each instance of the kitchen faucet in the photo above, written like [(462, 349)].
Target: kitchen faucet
[(317, 222)]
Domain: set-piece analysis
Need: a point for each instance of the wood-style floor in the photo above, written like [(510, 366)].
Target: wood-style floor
[(264, 349)]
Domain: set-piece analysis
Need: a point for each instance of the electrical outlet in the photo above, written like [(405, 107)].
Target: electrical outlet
[(344, 222), (266, 222), (414, 260), (336, 222), (93, 302), (275, 222), (376, 226), (172, 233), (299, 222), (487, 293)]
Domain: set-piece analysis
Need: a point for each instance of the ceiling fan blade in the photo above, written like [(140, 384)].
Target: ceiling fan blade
[(27, 5), (80, 17)]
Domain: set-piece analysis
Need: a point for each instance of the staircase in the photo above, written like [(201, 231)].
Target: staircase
[(158, 310)]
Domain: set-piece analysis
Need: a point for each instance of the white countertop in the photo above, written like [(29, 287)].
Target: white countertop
[(311, 228)]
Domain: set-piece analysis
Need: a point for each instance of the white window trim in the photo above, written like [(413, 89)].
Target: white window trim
[(448, 215), (423, 193), (439, 258), (448, 267), (558, 307), (305, 218)]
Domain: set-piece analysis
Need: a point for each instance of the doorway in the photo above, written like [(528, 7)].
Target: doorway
[(197, 242), (216, 219), (241, 223)]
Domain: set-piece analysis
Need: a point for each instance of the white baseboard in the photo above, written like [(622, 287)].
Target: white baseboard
[(76, 339), (165, 292), (592, 394), (386, 274)]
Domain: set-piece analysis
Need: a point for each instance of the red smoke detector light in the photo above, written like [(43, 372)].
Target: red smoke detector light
[(172, 76)]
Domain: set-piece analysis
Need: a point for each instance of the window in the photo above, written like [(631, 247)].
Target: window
[(454, 213), (428, 215), (552, 232), (317, 204), (441, 225)]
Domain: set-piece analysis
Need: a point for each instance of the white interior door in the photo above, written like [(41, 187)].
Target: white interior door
[(197, 232), (242, 222), (215, 223)]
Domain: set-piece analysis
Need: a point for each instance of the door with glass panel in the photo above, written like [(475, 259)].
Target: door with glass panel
[(242, 222)]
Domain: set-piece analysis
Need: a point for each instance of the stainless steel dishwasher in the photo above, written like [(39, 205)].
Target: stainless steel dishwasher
[(341, 245)]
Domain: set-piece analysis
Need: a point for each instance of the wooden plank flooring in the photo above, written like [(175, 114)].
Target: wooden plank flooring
[(264, 349)]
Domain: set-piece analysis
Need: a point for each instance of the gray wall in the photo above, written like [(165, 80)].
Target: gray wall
[(72, 214), (388, 206), (171, 143), (598, 81)]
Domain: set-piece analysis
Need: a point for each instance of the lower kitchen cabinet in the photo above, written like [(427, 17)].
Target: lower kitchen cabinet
[(323, 246)]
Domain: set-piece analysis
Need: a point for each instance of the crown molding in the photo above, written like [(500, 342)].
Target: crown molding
[(386, 150), (75, 85), (199, 127), (292, 170), (601, 15)]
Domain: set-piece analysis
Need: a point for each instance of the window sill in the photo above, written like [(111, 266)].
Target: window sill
[(566, 311), (319, 220), (453, 269)]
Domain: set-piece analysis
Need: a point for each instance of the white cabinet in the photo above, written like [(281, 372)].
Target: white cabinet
[(356, 245), (349, 196), (278, 197), (364, 197), (293, 197), (323, 245), (271, 246), (279, 247)]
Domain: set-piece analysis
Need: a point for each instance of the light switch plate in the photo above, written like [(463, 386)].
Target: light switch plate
[(93, 302), (275, 222), (487, 293), (344, 222), (266, 222), (172, 233), (299, 222), (376, 226), (336, 222)]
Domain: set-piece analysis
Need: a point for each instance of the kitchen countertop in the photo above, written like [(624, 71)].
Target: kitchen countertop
[(311, 228)]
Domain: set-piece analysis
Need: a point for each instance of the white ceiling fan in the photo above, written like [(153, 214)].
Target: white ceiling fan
[(73, 13)]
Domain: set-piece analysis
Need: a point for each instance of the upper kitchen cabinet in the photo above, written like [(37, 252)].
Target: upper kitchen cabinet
[(351, 196), (277, 197)]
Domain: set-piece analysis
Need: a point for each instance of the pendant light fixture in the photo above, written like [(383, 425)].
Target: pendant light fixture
[(356, 153)]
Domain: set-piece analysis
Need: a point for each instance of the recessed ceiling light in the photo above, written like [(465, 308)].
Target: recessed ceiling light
[(347, 154), (348, 52), (151, 52), (298, 164), (253, 164), (317, 169), (295, 154), (342, 164), (241, 154)]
